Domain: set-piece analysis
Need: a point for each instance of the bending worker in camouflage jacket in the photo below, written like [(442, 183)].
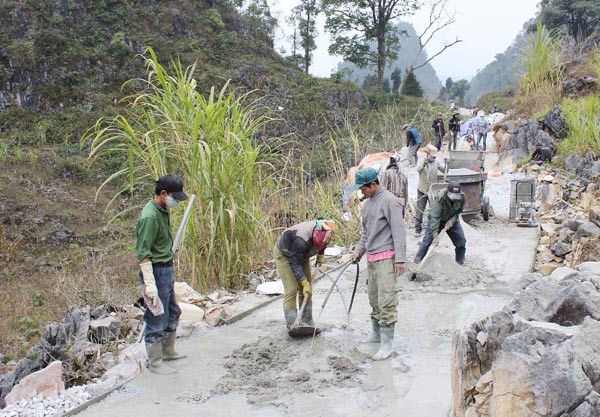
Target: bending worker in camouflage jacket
[(445, 212), (383, 238), (296, 245)]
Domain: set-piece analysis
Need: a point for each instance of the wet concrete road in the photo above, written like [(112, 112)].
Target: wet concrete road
[(251, 368)]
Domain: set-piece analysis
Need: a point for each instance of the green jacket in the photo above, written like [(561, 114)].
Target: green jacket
[(444, 209), (153, 234)]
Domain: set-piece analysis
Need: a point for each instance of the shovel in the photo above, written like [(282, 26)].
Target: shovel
[(299, 329), (428, 254)]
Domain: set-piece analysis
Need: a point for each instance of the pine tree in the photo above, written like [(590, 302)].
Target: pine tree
[(411, 86)]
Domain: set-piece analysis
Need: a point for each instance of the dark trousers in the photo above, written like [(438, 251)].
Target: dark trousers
[(455, 233), (453, 141), (438, 141), (484, 137), (157, 326), (422, 200)]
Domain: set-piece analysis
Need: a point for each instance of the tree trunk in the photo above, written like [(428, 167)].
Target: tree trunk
[(381, 58)]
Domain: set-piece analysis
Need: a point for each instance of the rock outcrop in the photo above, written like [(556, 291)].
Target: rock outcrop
[(539, 356)]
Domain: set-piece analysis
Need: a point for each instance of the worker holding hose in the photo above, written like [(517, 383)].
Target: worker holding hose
[(383, 238), (296, 245)]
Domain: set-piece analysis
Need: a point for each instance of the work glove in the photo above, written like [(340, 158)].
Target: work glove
[(320, 259), (151, 291), (355, 257), (449, 224), (306, 290)]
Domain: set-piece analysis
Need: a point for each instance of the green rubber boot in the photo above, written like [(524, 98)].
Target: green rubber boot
[(375, 336), (155, 359), (168, 345), (387, 338), (290, 317)]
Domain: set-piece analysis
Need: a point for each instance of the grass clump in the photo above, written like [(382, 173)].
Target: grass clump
[(582, 117)]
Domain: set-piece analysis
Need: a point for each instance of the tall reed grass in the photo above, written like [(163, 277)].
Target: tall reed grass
[(541, 83), (209, 141)]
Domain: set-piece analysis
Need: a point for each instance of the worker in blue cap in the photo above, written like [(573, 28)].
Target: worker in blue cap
[(383, 239)]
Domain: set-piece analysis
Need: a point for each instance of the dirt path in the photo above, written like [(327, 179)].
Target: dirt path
[(251, 368)]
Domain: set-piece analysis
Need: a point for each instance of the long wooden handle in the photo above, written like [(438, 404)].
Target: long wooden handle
[(299, 317)]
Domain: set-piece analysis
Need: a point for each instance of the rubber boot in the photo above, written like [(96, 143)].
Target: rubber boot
[(375, 336), (290, 317), (307, 317), (168, 345), (155, 360), (387, 338)]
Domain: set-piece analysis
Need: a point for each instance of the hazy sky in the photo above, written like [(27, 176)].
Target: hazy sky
[(486, 27)]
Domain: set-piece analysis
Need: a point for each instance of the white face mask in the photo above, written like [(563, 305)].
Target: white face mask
[(171, 202)]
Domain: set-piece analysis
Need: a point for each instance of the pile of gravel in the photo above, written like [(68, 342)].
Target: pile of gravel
[(39, 406)]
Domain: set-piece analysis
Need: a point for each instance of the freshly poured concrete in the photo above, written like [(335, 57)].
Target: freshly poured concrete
[(252, 368)]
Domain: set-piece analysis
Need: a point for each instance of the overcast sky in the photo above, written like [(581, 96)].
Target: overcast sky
[(487, 27)]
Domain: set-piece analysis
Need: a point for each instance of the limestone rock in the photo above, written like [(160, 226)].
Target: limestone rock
[(217, 316), (593, 267), (587, 229), (191, 313), (562, 272), (48, 382), (186, 294), (105, 329), (546, 269)]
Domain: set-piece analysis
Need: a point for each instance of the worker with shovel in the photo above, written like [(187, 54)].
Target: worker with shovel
[(444, 215), (154, 253), (383, 238), (296, 245)]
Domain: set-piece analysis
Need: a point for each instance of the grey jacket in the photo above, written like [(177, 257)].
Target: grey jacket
[(482, 125), (428, 174), (382, 226)]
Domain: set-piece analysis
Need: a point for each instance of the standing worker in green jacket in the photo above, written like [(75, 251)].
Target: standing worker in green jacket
[(296, 245), (383, 238), (445, 213), (154, 253)]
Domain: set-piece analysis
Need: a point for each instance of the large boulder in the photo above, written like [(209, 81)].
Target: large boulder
[(538, 357)]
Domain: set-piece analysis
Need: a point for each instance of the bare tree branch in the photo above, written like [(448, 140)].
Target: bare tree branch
[(439, 18)]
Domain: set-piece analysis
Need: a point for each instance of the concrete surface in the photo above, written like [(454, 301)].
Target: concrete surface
[(252, 368)]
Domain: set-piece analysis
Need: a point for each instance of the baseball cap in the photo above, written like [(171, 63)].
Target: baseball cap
[(454, 190), (364, 176), (405, 127), (172, 184)]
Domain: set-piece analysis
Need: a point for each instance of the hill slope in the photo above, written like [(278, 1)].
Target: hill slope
[(503, 72)]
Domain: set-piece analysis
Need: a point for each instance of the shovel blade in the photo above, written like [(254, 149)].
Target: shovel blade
[(303, 330)]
